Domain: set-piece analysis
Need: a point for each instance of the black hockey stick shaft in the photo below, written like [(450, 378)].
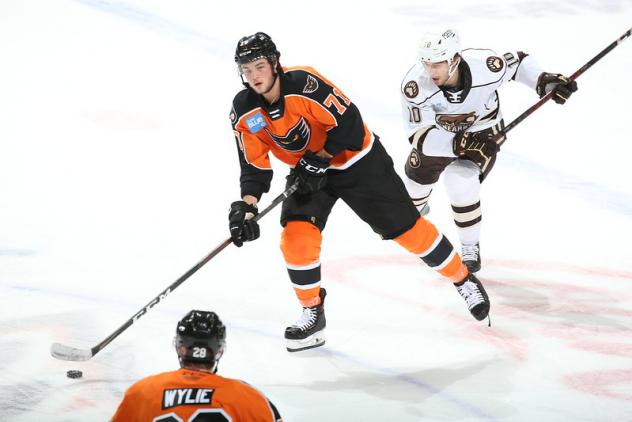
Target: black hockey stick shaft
[(67, 353), (574, 76)]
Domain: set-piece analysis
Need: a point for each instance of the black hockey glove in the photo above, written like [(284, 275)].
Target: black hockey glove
[(561, 86), (479, 147), (310, 172), (242, 227)]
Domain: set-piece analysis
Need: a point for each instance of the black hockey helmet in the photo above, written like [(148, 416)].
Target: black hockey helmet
[(200, 338), (256, 46)]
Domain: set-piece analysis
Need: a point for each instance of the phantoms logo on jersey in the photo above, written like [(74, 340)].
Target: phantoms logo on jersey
[(456, 122), (183, 396), (296, 139), (311, 85)]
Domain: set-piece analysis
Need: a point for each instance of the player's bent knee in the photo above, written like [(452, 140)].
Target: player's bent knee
[(300, 243), (420, 237)]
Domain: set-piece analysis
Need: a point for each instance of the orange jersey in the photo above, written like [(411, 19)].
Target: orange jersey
[(193, 396), (311, 114)]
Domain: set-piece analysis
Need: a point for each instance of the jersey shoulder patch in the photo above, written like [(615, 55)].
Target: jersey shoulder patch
[(307, 82), (411, 89), (485, 65), (495, 63), (417, 85)]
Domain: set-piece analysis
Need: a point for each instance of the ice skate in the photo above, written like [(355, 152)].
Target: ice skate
[(309, 331), (474, 294)]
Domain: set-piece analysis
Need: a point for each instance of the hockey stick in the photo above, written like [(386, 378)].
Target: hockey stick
[(63, 352), (574, 76)]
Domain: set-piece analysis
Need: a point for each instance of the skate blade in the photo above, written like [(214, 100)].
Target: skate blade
[(315, 340)]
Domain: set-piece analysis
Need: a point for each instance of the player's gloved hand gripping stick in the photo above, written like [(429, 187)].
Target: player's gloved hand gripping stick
[(63, 352)]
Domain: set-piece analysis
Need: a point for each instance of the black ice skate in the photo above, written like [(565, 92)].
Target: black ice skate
[(471, 257), (309, 331), (475, 296)]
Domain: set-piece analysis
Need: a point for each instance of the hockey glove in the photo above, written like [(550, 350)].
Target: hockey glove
[(310, 172), (479, 147), (561, 86), (242, 227)]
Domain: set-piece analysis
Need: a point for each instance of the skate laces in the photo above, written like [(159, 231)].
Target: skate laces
[(308, 317), (470, 292), (469, 253)]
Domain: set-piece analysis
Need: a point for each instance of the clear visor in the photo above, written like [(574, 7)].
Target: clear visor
[(430, 65)]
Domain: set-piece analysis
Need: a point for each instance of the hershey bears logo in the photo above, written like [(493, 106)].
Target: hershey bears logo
[(495, 64), (414, 160), (411, 89), (296, 139), (311, 85), (456, 122)]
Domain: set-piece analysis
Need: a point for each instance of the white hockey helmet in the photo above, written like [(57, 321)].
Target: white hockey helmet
[(435, 48)]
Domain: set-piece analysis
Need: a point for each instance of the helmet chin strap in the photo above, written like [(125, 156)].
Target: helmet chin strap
[(453, 66)]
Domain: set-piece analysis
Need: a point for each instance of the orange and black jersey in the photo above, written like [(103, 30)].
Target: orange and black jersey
[(311, 114), (192, 396)]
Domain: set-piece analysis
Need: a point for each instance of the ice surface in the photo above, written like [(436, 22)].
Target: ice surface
[(117, 166)]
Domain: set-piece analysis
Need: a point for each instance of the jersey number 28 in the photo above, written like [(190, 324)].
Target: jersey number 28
[(202, 415)]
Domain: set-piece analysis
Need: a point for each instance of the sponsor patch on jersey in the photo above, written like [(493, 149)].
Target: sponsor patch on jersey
[(414, 160), (494, 63), (256, 123), (296, 139), (311, 85), (411, 89)]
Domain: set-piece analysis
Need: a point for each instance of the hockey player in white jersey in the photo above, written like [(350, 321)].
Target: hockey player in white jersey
[(454, 123)]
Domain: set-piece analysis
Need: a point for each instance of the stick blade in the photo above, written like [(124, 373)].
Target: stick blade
[(63, 352)]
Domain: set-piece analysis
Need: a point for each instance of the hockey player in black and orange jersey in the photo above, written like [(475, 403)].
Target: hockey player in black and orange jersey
[(308, 123), (195, 393)]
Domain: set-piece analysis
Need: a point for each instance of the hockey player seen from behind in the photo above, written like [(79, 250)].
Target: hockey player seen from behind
[(454, 123), (308, 123), (195, 393)]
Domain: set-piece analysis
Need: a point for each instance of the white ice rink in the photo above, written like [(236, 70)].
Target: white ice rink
[(118, 163)]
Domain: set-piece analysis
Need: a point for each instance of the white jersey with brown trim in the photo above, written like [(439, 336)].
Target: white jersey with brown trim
[(476, 105)]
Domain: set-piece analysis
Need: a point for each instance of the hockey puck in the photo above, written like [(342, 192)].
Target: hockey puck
[(73, 373)]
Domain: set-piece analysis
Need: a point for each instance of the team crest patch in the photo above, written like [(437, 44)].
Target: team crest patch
[(411, 89), (296, 139), (414, 160), (495, 64), (311, 85), (255, 123), (233, 116), (456, 122)]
